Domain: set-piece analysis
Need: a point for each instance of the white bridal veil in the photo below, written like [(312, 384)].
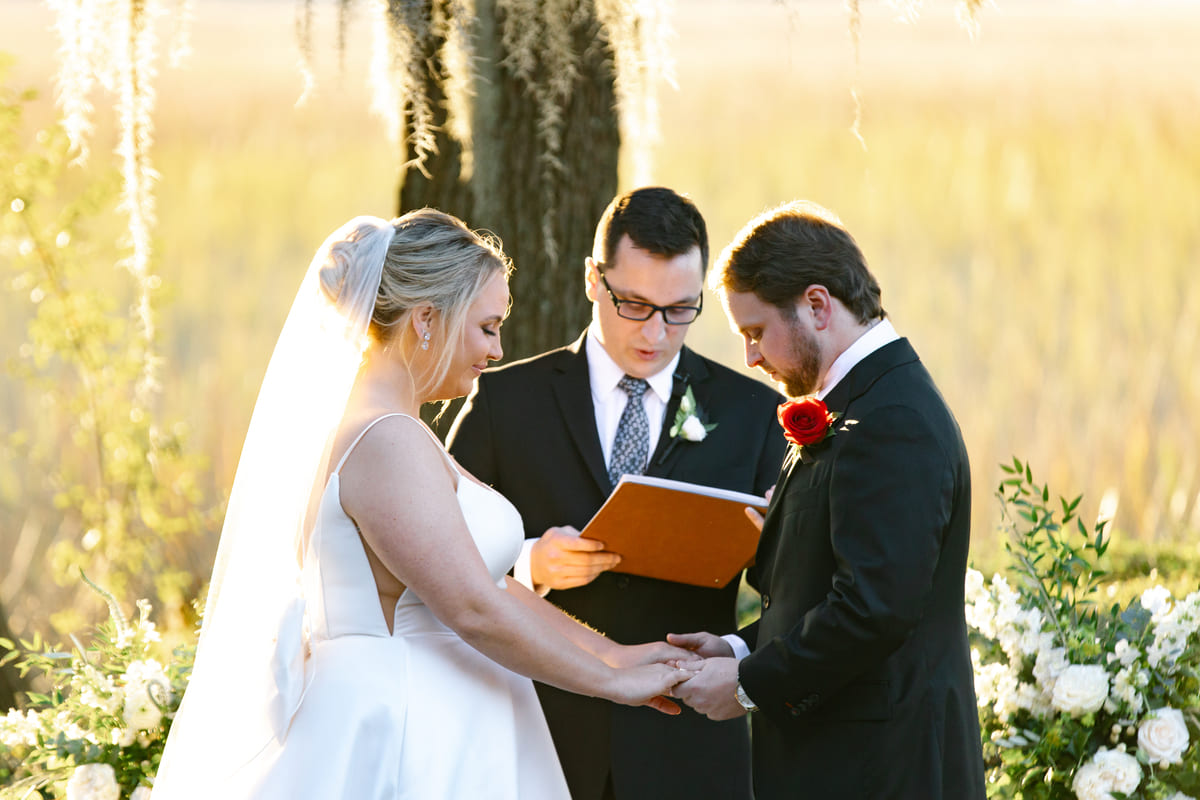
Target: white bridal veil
[(249, 674)]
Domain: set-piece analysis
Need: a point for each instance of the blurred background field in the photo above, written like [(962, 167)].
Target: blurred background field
[(1030, 201)]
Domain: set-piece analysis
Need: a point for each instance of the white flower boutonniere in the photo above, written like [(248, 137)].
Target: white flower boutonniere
[(687, 420)]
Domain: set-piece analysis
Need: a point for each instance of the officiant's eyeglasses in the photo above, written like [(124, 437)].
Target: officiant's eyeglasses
[(639, 311)]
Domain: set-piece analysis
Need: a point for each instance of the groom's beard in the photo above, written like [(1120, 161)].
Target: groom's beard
[(804, 377)]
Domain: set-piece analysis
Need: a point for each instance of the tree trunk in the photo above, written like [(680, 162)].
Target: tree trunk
[(508, 192)]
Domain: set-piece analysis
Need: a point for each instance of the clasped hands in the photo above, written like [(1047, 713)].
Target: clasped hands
[(711, 689), (705, 675)]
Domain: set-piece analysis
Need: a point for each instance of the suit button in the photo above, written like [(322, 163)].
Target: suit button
[(622, 582), (766, 601)]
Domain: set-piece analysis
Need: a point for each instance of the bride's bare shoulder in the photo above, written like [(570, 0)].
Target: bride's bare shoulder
[(382, 438)]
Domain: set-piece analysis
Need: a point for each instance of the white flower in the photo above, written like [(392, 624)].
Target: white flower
[(1163, 736), (141, 679), (1125, 689), (98, 690), (973, 586), (93, 782), (146, 628), (1109, 771), (140, 793), (1080, 689), (1157, 600), (19, 728), (1172, 629), (64, 722), (1124, 652), (1050, 663), (994, 685), (980, 612), (1181, 796), (692, 429)]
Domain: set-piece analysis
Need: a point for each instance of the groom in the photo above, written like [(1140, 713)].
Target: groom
[(860, 673), (554, 433)]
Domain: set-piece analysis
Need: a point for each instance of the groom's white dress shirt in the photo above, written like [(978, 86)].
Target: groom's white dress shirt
[(875, 337), (608, 402)]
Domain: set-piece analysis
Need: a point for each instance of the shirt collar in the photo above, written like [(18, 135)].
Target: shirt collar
[(875, 337), (605, 374)]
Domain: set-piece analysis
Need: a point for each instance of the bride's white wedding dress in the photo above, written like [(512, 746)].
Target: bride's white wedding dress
[(415, 713)]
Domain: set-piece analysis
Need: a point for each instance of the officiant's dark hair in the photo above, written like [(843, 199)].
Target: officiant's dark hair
[(783, 251), (656, 219)]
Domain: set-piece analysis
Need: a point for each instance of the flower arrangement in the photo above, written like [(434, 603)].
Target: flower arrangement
[(98, 733), (1076, 700)]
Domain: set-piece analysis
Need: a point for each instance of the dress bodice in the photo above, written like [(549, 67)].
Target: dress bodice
[(339, 588)]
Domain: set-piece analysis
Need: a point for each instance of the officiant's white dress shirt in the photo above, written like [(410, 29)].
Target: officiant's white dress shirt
[(875, 337), (608, 402)]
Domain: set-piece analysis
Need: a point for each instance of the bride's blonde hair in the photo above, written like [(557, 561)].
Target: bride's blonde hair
[(432, 258)]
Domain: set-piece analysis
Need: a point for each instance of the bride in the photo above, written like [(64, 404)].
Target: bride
[(361, 638)]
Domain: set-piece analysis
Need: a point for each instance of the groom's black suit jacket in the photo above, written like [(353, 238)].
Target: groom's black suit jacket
[(529, 430), (860, 662)]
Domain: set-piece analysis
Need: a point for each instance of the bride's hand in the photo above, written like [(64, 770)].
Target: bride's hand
[(620, 655), (647, 685)]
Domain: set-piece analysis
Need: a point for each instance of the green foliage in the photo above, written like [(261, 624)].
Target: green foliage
[(1058, 576), (108, 703), (125, 483), (1067, 687)]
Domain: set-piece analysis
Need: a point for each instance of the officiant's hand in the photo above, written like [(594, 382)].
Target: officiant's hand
[(706, 645), (753, 514), (562, 559), (711, 691)]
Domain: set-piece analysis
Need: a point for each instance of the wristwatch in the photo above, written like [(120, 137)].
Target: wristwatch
[(744, 699)]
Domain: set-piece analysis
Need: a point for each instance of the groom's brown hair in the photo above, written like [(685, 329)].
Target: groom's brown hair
[(783, 251)]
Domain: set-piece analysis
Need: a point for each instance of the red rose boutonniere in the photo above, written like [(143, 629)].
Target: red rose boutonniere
[(806, 421)]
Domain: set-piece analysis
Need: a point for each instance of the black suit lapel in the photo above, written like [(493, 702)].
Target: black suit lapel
[(864, 374), (689, 372), (855, 384), (573, 391)]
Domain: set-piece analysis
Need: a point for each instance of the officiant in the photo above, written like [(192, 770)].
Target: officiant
[(554, 434)]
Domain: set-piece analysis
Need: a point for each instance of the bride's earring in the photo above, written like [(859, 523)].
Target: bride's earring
[(425, 342)]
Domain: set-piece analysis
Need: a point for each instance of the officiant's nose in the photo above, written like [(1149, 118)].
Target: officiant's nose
[(655, 328)]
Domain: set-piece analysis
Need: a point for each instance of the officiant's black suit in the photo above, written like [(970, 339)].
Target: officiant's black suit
[(529, 430), (860, 662)]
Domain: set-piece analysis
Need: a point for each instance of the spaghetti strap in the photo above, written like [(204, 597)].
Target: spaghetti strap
[(371, 424)]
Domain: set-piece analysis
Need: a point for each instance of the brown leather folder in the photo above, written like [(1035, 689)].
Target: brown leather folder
[(677, 531)]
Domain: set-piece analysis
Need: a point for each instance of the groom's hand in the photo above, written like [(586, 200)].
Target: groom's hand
[(711, 691), (707, 645), (562, 559)]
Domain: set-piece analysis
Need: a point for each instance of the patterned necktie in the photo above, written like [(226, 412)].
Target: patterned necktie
[(631, 447)]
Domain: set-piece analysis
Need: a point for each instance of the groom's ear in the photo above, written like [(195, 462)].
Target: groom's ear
[(817, 303)]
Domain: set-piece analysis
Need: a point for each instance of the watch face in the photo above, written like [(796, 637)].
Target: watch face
[(744, 699)]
